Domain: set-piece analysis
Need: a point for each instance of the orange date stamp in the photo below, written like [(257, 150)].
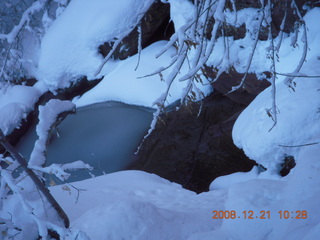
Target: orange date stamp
[(282, 214)]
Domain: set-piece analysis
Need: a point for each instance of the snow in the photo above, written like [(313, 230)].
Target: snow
[(124, 84), (15, 103), (69, 51), (69, 47), (252, 130), (234, 178), (134, 200), (139, 205), (182, 12), (287, 56), (48, 115)]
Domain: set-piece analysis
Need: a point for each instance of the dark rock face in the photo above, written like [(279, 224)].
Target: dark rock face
[(193, 150), (288, 163)]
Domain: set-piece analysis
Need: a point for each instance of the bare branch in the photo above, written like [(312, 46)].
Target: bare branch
[(273, 67), (301, 145), (289, 80), (118, 41), (107, 58), (255, 42), (282, 26), (139, 45)]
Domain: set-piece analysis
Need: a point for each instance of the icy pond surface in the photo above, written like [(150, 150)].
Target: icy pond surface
[(104, 135)]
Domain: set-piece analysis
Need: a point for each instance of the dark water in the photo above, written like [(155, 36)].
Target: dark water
[(103, 135)]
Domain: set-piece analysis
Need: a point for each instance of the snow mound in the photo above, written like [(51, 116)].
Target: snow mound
[(137, 205), (69, 49), (231, 179)]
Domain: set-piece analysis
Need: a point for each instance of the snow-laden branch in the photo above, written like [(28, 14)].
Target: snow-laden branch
[(25, 19), (60, 170), (48, 116), (114, 47), (153, 124), (161, 69), (28, 206), (297, 75), (160, 102), (139, 29), (189, 39), (205, 54)]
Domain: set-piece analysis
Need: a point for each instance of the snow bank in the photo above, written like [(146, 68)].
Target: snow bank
[(137, 205), (297, 192), (69, 49), (15, 104)]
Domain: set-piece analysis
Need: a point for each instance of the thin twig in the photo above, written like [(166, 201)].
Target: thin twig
[(251, 55), (301, 145), (273, 68), (139, 29), (282, 27), (289, 80)]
